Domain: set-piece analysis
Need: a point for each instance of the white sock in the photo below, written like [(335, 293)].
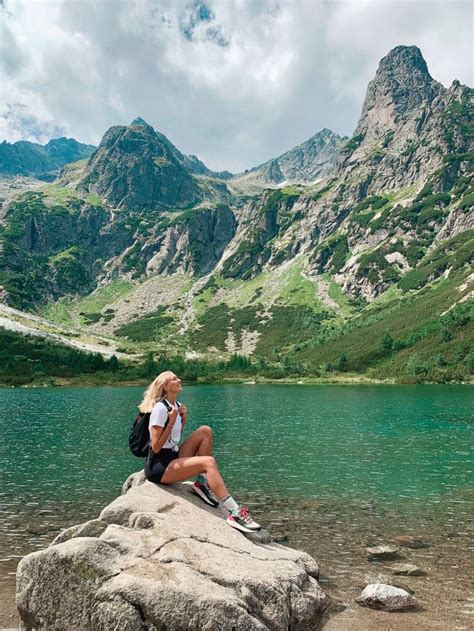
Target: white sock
[(230, 504)]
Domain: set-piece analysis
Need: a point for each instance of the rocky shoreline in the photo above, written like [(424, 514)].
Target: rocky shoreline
[(399, 562)]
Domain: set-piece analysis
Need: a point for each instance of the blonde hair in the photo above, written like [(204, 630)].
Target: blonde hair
[(155, 391)]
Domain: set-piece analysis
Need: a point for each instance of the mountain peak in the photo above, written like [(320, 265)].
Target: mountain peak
[(403, 59), (312, 159), (41, 161), (402, 84), (139, 121), (139, 168), (403, 76), (324, 134)]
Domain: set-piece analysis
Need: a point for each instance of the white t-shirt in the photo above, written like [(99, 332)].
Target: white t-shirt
[(159, 416)]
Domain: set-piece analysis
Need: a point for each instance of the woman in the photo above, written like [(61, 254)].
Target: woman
[(167, 462)]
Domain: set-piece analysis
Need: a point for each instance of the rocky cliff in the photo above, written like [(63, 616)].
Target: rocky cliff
[(156, 558), (404, 178)]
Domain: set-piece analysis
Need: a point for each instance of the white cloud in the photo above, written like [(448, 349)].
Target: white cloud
[(235, 82)]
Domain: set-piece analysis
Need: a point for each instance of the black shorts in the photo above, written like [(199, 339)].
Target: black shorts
[(156, 463)]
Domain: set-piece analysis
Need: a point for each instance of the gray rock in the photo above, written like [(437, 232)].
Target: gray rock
[(160, 559), (383, 553), (406, 569), (136, 479), (411, 541), (387, 597), (92, 528)]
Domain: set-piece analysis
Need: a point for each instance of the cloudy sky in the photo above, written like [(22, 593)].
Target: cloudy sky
[(235, 82)]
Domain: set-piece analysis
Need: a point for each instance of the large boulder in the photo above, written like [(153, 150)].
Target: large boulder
[(158, 558)]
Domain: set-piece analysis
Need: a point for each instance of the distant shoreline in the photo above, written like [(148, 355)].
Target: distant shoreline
[(305, 381)]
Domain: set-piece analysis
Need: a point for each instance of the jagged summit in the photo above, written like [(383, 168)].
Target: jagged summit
[(403, 59), (306, 162), (404, 74), (401, 85), (134, 166), (140, 121)]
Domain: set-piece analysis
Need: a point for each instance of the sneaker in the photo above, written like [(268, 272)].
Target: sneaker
[(212, 495), (205, 494), (242, 521)]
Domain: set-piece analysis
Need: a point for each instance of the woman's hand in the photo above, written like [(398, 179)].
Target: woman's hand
[(172, 416), (183, 410)]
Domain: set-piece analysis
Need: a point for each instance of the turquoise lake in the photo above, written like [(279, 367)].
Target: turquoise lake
[(331, 469)]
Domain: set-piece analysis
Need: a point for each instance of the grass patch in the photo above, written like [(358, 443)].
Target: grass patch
[(213, 325), (298, 290), (103, 296), (336, 294), (289, 328), (60, 194), (58, 312), (94, 200)]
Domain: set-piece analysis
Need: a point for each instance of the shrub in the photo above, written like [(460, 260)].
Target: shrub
[(353, 144)]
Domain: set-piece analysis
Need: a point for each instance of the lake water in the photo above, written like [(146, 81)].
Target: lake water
[(332, 468)]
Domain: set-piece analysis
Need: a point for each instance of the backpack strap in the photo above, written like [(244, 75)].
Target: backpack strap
[(168, 407)]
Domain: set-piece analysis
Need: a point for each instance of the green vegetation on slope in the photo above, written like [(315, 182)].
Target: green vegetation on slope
[(277, 329), (33, 360), (41, 257), (29, 359), (148, 328), (453, 253), (418, 338)]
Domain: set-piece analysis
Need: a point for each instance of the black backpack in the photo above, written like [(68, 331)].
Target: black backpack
[(139, 437)]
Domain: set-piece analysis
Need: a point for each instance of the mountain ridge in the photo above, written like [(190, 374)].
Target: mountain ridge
[(42, 161), (262, 272)]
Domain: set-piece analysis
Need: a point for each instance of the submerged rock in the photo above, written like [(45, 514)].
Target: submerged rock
[(411, 541), (407, 569), (158, 558), (383, 553), (387, 597)]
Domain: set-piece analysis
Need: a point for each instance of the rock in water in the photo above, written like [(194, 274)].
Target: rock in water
[(158, 558), (407, 569), (388, 597), (411, 541), (383, 553)]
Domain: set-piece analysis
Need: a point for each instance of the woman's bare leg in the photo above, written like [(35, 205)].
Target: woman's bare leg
[(185, 468), (199, 443)]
